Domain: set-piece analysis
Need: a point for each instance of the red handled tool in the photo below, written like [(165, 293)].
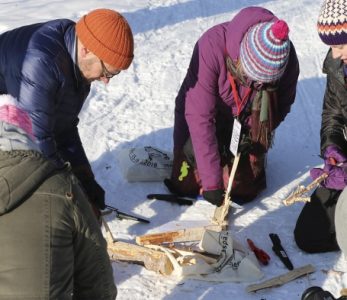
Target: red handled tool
[(260, 254)]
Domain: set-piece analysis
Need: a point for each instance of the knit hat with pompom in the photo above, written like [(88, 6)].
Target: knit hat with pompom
[(264, 51)]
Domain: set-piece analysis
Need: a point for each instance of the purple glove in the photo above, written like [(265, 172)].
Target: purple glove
[(332, 152), (335, 166)]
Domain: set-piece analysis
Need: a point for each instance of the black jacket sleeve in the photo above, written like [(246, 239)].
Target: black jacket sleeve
[(332, 120), (334, 115)]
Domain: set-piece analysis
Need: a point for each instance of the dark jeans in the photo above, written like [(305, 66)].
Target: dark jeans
[(249, 179), (315, 228)]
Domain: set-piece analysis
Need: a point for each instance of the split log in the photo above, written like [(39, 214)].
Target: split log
[(179, 236), (282, 279), (152, 259)]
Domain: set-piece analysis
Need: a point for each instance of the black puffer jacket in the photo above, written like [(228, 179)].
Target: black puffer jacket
[(334, 116), (37, 67)]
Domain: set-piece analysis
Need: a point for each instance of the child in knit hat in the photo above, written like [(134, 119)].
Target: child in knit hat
[(322, 224), (241, 72), (51, 243)]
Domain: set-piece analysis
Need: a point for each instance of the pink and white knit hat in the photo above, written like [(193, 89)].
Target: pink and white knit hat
[(265, 51), (12, 114)]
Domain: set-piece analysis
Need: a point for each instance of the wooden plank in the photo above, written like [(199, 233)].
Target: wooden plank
[(183, 235), (282, 279)]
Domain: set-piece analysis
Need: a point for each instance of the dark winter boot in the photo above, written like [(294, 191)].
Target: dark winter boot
[(317, 293)]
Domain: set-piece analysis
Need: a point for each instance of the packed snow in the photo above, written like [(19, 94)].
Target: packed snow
[(137, 108)]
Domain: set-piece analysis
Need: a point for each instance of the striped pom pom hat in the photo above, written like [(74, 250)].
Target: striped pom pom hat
[(332, 22), (265, 51)]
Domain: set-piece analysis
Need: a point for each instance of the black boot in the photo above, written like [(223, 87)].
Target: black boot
[(317, 293)]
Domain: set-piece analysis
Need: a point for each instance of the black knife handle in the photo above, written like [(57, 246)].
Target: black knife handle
[(275, 239), (123, 215), (170, 198), (279, 251)]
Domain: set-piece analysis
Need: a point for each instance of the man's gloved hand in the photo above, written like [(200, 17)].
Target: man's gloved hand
[(216, 197), (95, 193), (335, 165)]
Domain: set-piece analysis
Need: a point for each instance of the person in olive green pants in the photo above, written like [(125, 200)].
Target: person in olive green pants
[(51, 246)]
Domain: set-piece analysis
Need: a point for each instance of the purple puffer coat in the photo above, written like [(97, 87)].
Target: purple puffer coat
[(206, 91)]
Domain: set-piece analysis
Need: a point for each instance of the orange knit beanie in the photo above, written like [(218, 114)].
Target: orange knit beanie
[(108, 35)]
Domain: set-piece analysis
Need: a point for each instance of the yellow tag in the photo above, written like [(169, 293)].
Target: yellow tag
[(184, 170)]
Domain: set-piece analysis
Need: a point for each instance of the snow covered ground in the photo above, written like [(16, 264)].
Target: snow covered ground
[(136, 109)]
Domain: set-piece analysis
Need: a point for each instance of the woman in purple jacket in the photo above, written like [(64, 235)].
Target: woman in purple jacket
[(244, 70)]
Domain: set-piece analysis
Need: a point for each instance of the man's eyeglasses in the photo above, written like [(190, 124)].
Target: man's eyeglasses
[(106, 73)]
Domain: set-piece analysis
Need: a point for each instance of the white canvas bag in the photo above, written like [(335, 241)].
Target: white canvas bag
[(145, 163), (233, 263)]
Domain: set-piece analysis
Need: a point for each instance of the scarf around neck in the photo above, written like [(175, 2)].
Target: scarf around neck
[(264, 106)]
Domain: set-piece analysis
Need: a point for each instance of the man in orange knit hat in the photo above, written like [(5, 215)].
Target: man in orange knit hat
[(48, 68)]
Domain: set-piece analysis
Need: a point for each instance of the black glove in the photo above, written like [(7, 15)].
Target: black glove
[(95, 193), (316, 293), (245, 146), (216, 197)]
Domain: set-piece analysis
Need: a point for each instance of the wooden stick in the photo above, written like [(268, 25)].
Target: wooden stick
[(109, 236), (296, 195), (221, 213), (282, 279), (183, 235), (180, 253)]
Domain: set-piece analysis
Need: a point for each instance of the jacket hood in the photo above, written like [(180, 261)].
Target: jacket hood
[(240, 24), (21, 173)]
